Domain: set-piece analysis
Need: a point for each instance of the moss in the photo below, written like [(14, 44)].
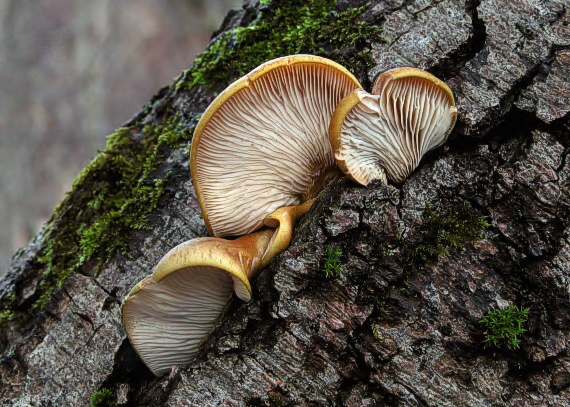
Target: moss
[(442, 232), (102, 398), (438, 235), (111, 197), (503, 326), (376, 332), (7, 312), (331, 265), (6, 315), (288, 27)]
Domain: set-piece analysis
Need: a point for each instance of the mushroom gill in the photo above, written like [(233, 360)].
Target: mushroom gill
[(168, 314), (386, 133), (263, 143)]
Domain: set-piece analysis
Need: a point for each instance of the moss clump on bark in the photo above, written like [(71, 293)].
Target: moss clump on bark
[(503, 326), (285, 28), (111, 197), (101, 398), (7, 315), (331, 264), (442, 232)]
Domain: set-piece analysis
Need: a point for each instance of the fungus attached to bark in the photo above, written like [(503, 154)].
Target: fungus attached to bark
[(263, 143), (167, 315), (260, 155), (386, 133)]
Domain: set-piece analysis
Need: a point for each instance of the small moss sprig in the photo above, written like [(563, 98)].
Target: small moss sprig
[(101, 398), (331, 266), (376, 332), (6, 315), (503, 326)]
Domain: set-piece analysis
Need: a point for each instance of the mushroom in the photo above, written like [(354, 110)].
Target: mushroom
[(263, 142), (168, 314), (260, 156), (386, 133)]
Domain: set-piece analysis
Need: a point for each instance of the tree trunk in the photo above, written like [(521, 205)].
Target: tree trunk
[(483, 223)]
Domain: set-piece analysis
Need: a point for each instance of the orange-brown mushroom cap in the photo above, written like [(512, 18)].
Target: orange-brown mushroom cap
[(263, 143), (386, 133), (168, 315)]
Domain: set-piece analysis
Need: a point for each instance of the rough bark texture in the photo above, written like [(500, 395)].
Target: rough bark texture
[(396, 327)]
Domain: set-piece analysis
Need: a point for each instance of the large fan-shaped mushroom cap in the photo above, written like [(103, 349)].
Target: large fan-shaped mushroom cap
[(263, 143), (387, 133), (168, 314)]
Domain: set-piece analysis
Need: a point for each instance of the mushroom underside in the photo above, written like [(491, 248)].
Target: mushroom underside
[(265, 145), (388, 134), (167, 321)]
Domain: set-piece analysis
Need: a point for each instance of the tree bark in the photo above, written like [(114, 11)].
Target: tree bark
[(400, 324)]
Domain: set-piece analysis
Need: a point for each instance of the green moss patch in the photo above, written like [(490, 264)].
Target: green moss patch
[(285, 28), (7, 315), (111, 197), (442, 232), (331, 264), (502, 327), (102, 398)]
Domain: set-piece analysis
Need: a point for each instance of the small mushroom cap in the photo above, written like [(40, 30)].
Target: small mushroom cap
[(240, 258), (167, 322), (407, 72), (387, 134), (168, 315), (263, 143)]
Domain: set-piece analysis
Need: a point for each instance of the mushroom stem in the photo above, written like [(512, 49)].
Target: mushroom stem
[(319, 182), (283, 220)]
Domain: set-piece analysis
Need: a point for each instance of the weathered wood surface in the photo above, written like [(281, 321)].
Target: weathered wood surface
[(309, 340)]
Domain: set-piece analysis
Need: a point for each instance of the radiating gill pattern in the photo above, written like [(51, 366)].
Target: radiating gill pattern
[(167, 321), (264, 147), (393, 130)]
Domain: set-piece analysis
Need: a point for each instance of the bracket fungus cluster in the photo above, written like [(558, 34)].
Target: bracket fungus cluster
[(260, 156)]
